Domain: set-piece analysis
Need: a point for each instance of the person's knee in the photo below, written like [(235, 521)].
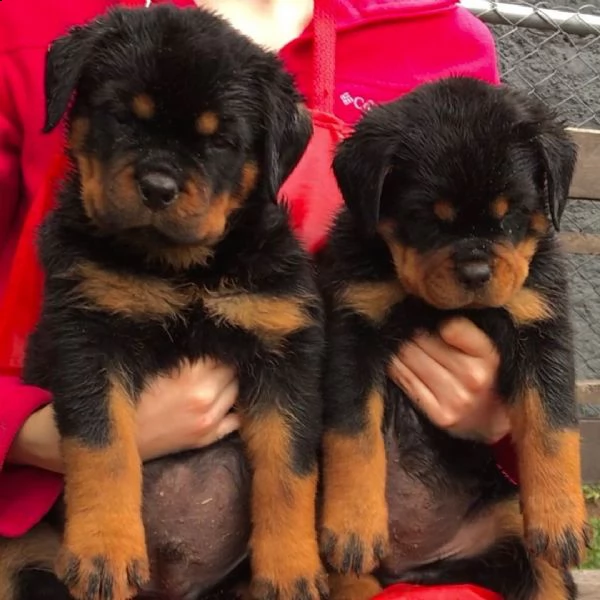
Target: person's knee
[(196, 511)]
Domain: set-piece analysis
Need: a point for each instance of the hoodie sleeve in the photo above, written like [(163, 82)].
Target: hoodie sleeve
[(26, 493), (10, 142)]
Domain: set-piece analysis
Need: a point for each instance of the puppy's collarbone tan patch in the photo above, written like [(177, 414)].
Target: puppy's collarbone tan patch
[(270, 318), (528, 306), (134, 296), (371, 299)]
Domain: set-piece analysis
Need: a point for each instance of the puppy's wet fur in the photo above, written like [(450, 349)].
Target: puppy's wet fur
[(167, 246), (451, 195)]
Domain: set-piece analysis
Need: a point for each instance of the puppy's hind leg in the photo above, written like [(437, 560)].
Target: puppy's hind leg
[(352, 587), (32, 554), (552, 583), (506, 567)]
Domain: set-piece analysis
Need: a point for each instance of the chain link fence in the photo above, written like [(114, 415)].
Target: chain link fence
[(552, 50)]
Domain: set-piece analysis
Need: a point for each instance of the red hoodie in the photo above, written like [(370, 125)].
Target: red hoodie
[(383, 48)]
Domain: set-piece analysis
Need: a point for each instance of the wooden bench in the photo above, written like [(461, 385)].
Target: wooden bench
[(589, 584), (586, 186)]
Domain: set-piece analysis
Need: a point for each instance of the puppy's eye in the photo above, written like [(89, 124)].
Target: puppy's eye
[(121, 117), (115, 112), (224, 142)]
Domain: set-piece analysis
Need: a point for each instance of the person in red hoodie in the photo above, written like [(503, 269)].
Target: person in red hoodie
[(347, 56)]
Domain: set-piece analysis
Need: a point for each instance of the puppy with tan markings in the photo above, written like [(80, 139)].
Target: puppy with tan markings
[(451, 193), (167, 245)]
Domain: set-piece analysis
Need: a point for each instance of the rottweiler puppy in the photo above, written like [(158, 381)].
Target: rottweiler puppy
[(167, 245), (450, 193)]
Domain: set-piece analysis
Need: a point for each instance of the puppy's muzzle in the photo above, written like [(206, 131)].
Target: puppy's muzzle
[(158, 189), (473, 268)]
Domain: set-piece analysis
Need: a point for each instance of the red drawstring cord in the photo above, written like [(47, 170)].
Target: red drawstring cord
[(323, 55)]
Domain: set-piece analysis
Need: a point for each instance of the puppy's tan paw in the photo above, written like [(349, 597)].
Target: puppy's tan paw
[(103, 569)]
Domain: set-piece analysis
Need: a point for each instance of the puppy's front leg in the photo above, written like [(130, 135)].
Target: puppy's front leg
[(103, 556), (281, 428), (354, 535), (545, 426), (548, 449), (354, 524), (283, 544)]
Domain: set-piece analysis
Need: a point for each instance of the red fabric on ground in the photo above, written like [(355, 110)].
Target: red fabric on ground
[(404, 591)]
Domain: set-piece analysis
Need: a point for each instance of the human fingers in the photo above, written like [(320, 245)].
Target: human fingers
[(477, 375), (205, 392), (222, 404), (452, 398), (418, 392), (227, 425), (464, 335), (483, 419), (205, 367)]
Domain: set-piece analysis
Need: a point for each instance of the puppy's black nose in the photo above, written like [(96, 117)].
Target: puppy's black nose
[(158, 190), (474, 273)]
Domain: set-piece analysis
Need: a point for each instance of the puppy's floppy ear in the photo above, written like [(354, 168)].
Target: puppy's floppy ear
[(361, 164), (64, 63), (559, 155), (556, 150), (288, 126)]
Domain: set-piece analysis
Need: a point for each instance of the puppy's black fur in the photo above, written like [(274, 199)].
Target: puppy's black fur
[(167, 246), (448, 193)]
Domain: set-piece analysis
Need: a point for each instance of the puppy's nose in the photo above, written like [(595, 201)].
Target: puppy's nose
[(158, 190), (474, 273)]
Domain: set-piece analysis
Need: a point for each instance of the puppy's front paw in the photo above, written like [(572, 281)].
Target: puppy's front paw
[(287, 569), (291, 584), (560, 535), (103, 569), (562, 547), (352, 544)]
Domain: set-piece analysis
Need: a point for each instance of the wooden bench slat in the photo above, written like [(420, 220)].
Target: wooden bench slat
[(586, 181), (579, 243), (588, 583), (588, 391)]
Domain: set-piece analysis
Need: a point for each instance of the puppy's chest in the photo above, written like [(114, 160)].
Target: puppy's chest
[(190, 318)]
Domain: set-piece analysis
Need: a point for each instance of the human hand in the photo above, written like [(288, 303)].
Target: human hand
[(451, 377), (187, 409)]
